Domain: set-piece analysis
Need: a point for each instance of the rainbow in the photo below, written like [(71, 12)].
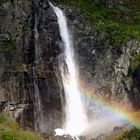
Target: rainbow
[(115, 110)]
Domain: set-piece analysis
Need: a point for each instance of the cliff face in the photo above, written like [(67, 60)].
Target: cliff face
[(15, 87), (30, 41), (111, 68)]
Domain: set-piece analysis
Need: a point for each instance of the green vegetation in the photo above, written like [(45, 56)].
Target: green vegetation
[(23, 68), (129, 134), (7, 135), (120, 23), (8, 46), (10, 51), (135, 62), (2, 119), (133, 134), (10, 130), (11, 57), (25, 26)]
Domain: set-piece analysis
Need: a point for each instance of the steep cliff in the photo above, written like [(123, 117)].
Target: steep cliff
[(107, 43), (15, 79), (29, 43), (106, 39)]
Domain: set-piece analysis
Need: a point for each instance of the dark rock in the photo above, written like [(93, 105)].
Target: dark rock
[(33, 28), (101, 137), (52, 136), (117, 128), (29, 32), (2, 105), (102, 65)]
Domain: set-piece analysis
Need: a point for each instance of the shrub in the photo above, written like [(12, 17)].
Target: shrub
[(10, 130), (135, 62), (133, 134), (119, 25), (7, 135)]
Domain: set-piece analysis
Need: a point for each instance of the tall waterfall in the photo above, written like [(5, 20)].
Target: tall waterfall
[(75, 113), (37, 104), (38, 113)]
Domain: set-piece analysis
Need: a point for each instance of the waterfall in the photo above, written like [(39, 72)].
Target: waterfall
[(75, 112), (38, 109), (37, 103)]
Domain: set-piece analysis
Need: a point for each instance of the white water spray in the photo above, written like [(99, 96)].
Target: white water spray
[(75, 113), (37, 104), (38, 113)]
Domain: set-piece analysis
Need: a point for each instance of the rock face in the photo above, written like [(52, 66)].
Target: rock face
[(15, 88), (102, 65), (29, 39)]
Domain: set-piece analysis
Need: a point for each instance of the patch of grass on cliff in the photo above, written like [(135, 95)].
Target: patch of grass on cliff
[(129, 133), (2, 119), (117, 33), (10, 51), (8, 46), (135, 62), (132, 134), (10, 130), (120, 23)]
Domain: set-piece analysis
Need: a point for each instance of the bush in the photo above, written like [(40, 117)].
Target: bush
[(10, 130), (2, 119), (119, 25), (133, 134), (135, 62), (7, 135)]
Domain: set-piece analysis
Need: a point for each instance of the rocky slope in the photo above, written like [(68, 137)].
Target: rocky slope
[(30, 41), (29, 38), (111, 67)]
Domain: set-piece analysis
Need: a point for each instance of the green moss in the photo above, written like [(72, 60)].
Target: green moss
[(135, 62), (128, 78), (118, 34), (10, 52), (2, 119), (7, 135), (10, 130), (8, 46), (23, 68), (133, 134), (25, 26), (119, 24), (127, 134)]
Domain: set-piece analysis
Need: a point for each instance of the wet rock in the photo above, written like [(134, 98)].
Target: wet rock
[(102, 65), (52, 135), (29, 31), (101, 137), (117, 128), (2, 105)]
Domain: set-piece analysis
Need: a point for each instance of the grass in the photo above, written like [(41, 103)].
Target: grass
[(10, 52), (129, 134), (11, 57), (135, 62), (10, 130), (133, 134), (120, 25)]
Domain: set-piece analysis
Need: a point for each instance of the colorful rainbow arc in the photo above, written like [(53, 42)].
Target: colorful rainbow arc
[(132, 118)]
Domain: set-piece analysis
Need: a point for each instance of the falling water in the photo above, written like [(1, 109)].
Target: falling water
[(75, 114), (37, 104), (38, 112), (37, 49)]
